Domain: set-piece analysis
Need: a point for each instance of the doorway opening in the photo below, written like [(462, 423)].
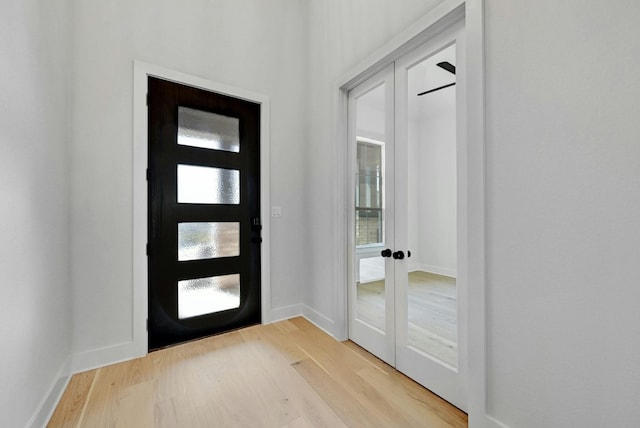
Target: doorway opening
[(406, 303)]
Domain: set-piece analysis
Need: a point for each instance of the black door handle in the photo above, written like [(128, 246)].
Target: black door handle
[(385, 253), (398, 255)]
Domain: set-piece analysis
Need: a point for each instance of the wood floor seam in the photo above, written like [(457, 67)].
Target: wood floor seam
[(87, 399)]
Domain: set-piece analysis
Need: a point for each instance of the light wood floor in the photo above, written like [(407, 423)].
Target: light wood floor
[(432, 312), (287, 374)]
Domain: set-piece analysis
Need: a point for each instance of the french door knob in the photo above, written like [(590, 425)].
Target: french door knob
[(398, 255), (385, 253)]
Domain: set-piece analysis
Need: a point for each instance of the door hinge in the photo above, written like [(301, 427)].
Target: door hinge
[(147, 324), (148, 249), (147, 98), (147, 173)]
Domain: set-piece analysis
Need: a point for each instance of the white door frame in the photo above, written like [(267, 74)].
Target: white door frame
[(140, 197), (473, 261)]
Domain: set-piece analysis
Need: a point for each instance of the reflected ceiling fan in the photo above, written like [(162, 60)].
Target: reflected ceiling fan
[(445, 66)]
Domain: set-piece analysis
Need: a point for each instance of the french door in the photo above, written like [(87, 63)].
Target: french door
[(407, 291), (204, 205)]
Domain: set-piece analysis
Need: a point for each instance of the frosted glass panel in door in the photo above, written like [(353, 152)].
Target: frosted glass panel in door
[(206, 185), (208, 240), (432, 222), (369, 209), (202, 296), (208, 130)]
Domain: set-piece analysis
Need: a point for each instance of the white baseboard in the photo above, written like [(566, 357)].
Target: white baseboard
[(96, 358), (485, 421), (438, 270), (285, 313), (314, 317), (49, 402), (322, 322)]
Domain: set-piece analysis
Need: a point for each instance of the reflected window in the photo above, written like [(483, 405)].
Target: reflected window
[(369, 193)]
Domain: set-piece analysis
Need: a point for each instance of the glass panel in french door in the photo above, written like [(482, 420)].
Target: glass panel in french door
[(432, 217)]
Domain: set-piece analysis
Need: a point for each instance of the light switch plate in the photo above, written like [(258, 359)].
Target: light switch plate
[(276, 211)]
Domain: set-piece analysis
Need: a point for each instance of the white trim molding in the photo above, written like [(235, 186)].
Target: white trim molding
[(50, 401), (438, 270), (141, 71), (286, 312), (322, 322)]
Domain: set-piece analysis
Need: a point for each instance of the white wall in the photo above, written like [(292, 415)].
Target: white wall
[(432, 167), (432, 186), (413, 194), (563, 203), (35, 320), (370, 120), (436, 185), (256, 45)]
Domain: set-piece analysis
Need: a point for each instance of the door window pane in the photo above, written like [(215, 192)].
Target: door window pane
[(371, 290), (371, 287), (199, 128), (202, 296), (198, 241), (206, 185), (432, 210), (433, 315)]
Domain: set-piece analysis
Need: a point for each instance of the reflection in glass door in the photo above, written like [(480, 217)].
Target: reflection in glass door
[(405, 301), (370, 227), (429, 305), (432, 218), (371, 297)]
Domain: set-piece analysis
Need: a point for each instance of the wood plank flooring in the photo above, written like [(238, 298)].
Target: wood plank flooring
[(286, 374)]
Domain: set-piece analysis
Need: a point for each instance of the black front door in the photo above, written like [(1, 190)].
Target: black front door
[(204, 205)]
